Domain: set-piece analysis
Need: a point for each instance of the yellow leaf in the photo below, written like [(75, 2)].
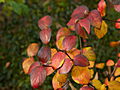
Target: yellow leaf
[(91, 64), (81, 75), (59, 80), (114, 85), (89, 53), (92, 72), (27, 63), (117, 79), (103, 87), (96, 83), (102, 31), (59, 43), (117, 72)]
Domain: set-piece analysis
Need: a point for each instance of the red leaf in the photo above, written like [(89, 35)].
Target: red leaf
[(45, 35), (45, 22), (95, 18), (102, 7), (58, 60), (66, 67), (86, 88), (117, 25), (69, 42), (80, 11), (117, 8), (72, 21), (80, 31), (37, 76), (81, 60), (44, 54), (86, 24), (118, 63), (62, 32), (34, 65)]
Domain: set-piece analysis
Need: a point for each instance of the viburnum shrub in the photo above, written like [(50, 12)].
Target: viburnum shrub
[(71, 58)]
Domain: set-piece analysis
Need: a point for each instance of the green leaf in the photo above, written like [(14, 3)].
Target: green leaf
[(2, 1)]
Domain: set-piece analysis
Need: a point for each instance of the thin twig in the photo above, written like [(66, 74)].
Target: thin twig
[(111, 20)]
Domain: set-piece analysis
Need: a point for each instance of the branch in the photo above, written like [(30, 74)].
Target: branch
[(110, 20)]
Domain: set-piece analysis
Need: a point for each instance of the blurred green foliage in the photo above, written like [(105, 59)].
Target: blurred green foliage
[(18, 28)]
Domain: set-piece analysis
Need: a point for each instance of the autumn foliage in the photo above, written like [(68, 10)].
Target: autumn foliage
[(71, 59)]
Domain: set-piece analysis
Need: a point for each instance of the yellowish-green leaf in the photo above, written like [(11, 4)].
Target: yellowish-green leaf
[(102, 31), (89, 53), (2, 1)]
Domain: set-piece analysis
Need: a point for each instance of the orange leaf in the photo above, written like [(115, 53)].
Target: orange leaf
[(102, 31), (114, 85), (110, 62), (27, 63), (32, 49), (49, 70), (81, 75), (100, 65)]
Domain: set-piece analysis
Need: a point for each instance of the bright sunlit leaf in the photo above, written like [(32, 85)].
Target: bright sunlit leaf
[(32, 49), (27, 63), (117, 72), (45, 22), (44, 54), (102, 31), (45, 35), (81, 75), (69, 42)]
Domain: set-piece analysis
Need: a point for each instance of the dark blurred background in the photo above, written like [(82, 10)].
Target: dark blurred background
[(18, 28)]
